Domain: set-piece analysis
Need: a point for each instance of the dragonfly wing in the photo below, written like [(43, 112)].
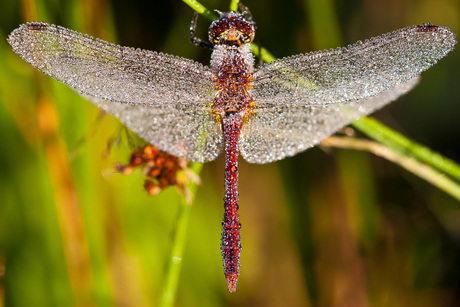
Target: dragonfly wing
[(277, 131), (356, 72), (181, 130), (163, 98), (300, 100)]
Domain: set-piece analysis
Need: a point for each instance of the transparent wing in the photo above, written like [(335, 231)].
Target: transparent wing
[(354, 72), (163, 98), (277, 131), (302, 99), (176, 129)]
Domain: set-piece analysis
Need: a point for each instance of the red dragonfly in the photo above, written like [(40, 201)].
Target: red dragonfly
[(266, 114)]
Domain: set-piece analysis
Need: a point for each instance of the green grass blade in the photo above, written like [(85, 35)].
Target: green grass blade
[(423, 170), (200, 9), (402, 145), (234, 5), (168, 295)]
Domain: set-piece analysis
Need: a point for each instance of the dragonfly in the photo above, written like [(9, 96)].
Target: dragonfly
[(265, 114)]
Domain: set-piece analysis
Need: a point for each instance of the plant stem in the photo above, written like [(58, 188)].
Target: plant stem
[(200, 9), (168, 296), (403, 145), (406, 161), (234, 5)]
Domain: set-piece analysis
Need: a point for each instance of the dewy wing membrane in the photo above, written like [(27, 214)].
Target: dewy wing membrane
[(356, 72)]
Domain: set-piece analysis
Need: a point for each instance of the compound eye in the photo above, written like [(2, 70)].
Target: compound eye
[(216, 37), (247, 30), (216, 29), (247, 38)]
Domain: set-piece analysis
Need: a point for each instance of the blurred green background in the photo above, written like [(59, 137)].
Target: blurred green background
[(327, 227)]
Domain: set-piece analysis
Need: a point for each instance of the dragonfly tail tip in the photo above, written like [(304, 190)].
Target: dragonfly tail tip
[(232, 280)]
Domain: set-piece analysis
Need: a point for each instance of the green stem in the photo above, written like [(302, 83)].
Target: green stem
[(175, 259), (403, 145), (264, 53), (324, 25), (200, 9), (168, 296), (418, 168), (234, 5)]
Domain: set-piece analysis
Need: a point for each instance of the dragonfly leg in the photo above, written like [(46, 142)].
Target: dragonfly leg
[(195, 40)]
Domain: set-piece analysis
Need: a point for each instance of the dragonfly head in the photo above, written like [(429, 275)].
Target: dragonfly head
[(231, 29)]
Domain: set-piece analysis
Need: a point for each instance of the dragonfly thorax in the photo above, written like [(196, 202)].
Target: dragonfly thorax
[(233, 68)]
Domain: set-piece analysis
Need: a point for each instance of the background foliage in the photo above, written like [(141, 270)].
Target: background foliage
[(328, 227)]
